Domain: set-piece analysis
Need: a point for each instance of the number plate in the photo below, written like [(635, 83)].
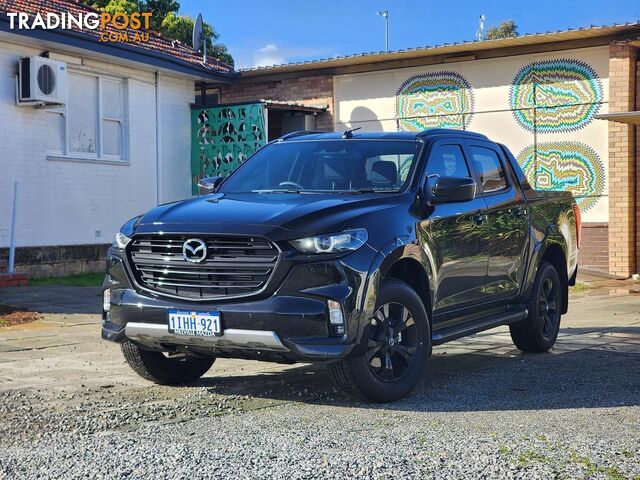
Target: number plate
[(194, 324)]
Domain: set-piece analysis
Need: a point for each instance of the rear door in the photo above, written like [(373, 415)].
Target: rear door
[(455, 234), (508, 222)]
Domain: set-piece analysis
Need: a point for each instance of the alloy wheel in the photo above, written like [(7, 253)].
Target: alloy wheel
[(392, 342), (548, 307)]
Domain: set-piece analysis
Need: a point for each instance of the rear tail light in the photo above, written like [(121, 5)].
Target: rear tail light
[(576, 214)]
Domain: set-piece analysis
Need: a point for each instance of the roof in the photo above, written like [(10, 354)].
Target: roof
[(631, 118), (299, 107), (157, 51), (430, 133), (452, 49)]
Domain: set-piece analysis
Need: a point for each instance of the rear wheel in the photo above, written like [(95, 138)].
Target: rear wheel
[(396, 345), (162, 368), (538, 332)]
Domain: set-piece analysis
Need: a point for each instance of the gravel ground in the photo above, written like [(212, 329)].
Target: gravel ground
[(483, 410)]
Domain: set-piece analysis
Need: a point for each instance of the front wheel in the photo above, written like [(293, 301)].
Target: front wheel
[(396, 343), (164, 369), (538, 332)]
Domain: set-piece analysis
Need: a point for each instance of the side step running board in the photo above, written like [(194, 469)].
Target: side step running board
[(469, 328)]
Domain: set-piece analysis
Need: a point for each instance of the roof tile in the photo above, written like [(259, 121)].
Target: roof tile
[(157, 43)]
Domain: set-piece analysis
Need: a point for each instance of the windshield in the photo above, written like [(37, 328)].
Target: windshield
[(326, 166)]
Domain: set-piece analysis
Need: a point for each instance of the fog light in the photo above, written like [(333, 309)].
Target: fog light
[(336, 319), (106, 299), (335, 313)]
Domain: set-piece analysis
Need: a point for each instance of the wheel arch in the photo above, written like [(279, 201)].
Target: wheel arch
[(410, 271)]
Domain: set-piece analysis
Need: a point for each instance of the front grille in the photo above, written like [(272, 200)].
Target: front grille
[(234, 266)]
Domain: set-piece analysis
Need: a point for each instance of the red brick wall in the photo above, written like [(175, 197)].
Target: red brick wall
[(637, 173), (622, 156), (594, 247), (312, 91)]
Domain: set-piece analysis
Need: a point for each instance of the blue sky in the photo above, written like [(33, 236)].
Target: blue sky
[(264, 32)]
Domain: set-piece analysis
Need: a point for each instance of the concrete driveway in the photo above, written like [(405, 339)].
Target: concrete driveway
[(70, 407)]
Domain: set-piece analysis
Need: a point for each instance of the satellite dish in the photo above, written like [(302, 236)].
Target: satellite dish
[(196, 40)]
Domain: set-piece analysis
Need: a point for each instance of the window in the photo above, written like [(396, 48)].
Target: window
[(327, 166), (489, 168), (448, 161), (91, 125)]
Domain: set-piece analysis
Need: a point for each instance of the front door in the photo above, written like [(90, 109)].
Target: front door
[(507, 222), (455, 234)]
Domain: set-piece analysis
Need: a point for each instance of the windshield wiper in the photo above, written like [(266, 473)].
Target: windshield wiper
[(372, 190), (276, 190)]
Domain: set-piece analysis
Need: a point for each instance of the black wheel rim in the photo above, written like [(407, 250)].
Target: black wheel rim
[(392, 342), (548, 307)]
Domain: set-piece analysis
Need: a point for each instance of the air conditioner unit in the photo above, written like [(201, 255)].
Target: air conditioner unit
[(42, 81)]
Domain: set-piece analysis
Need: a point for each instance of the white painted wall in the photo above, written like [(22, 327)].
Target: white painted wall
[(177, 95), (72, 202), (368, 100)]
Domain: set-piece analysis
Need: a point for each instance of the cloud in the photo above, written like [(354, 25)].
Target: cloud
[(270, 54)]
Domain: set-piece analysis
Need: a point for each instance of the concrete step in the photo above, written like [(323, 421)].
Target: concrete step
[(13, 279)]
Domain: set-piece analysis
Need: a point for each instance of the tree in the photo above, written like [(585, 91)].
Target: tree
[(160, 10), (166, 20), (181, 27), (506, 29), (124, 6)]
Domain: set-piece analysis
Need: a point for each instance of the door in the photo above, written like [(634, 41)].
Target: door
[(507, 220), (454, 234)]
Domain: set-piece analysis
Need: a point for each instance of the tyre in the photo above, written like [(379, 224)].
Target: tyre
[(162, 369), (396, 343), (538, 332)]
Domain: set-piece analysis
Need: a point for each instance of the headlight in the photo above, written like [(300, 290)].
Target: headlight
[(121, 240), (123, 236), (332, 243)]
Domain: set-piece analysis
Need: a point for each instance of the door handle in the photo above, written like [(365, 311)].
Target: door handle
[(479, 218)]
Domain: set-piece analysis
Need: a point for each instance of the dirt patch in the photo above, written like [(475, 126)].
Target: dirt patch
[(10, 316)]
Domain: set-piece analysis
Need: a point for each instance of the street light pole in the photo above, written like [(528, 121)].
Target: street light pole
[(385, 14)]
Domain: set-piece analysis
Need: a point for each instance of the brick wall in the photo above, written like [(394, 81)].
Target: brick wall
[(637, 200), (59, 261), (314, 91), (594, 247), (622, 197)]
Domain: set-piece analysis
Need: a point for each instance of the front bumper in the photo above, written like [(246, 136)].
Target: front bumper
[(155, 335), (287, 323)]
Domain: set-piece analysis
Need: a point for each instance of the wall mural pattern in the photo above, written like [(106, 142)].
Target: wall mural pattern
[(571, 166), (224, 137), (555, 95), (434, 100), (549, 96)]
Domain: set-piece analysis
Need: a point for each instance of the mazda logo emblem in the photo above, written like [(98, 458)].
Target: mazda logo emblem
[(194, 250)]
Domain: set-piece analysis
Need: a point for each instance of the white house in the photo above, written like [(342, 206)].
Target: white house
[(116, 145)]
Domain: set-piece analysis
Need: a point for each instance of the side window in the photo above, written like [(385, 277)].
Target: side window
[(447, 161), (489, 168)]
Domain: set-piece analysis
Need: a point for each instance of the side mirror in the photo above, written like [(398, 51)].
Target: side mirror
[(451, 190), (208, 185)]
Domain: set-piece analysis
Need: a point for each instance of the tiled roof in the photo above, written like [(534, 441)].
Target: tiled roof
[(447, 48), (156, 44)]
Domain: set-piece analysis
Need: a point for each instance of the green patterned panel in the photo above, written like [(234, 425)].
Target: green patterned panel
[(224, 137)]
